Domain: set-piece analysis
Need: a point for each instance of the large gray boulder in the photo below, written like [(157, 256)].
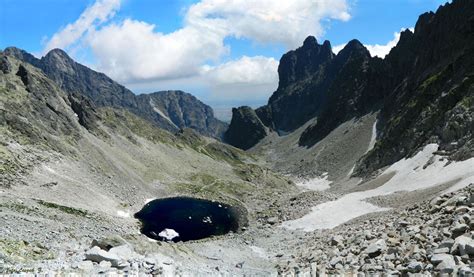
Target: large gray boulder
[(376, 248), (463, 245)]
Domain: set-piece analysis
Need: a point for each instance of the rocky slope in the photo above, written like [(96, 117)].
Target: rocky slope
[(431, 238), (75, 78), (423, 90)]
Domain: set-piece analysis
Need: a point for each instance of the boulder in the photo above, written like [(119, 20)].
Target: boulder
[(446, 266), (337, 240), (86, 266), (446, 243), (439, 258), (272, 220), (459, 229), (376, 248), (463, 245), (109, 242), (95, 254), (124, 252), (415, 266)]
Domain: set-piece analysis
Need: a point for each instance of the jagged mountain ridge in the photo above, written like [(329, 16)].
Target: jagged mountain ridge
[(75, 78), (423, 89)]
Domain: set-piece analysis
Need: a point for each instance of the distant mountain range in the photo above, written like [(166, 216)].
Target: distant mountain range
[(170, 110), (423, 91)]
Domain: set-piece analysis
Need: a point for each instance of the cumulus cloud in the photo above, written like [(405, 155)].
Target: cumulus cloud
[(246, 70), (379, 50), (132, 50), (268, 21), (245, 79), (100, 12)]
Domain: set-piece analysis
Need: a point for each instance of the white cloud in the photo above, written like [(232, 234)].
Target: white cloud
[(248, 78), (269, 21), (377, 49), (100, 12), (246, 70), (133, 51)]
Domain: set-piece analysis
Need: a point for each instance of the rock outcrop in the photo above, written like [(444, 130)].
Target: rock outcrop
[(186, 111), (433, 95), (245, 129)]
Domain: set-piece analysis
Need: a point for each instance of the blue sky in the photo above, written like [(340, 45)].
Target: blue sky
[(226, 54)]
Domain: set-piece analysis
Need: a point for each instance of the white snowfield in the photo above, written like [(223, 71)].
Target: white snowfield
[(409, 176), (318, 183)]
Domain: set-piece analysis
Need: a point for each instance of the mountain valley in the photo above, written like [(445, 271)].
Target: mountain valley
[(356, 165)]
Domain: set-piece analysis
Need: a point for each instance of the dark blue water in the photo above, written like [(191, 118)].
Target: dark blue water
[(191, 218)]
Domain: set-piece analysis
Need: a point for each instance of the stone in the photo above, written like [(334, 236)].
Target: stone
[(86, 265), (465, 271), (437, 201), (442, 250), (335, 260), (98, 255), (272, 220), (105, 264), (459, 229), (376, 248), (446, 243), (403, 223), (124, 252), (337, 240), (461, 209), (446, 266), (109, 242), (463, 245), (439, 258), (415, 266)]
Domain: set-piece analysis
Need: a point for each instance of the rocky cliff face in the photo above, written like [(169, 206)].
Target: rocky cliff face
[(245, 129), (75, 78), (185, 111), (304, 74), (423, 89), (432, 99)]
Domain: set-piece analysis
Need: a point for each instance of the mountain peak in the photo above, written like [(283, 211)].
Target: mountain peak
[(57, 53), (354, 46), (310, 41), (300, 63), (21, 55)]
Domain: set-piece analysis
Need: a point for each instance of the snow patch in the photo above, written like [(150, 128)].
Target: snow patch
[(410, 174), (162, 114), (148, 200), (123, 214), (318, 183), (373, 138), (168, 234)]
